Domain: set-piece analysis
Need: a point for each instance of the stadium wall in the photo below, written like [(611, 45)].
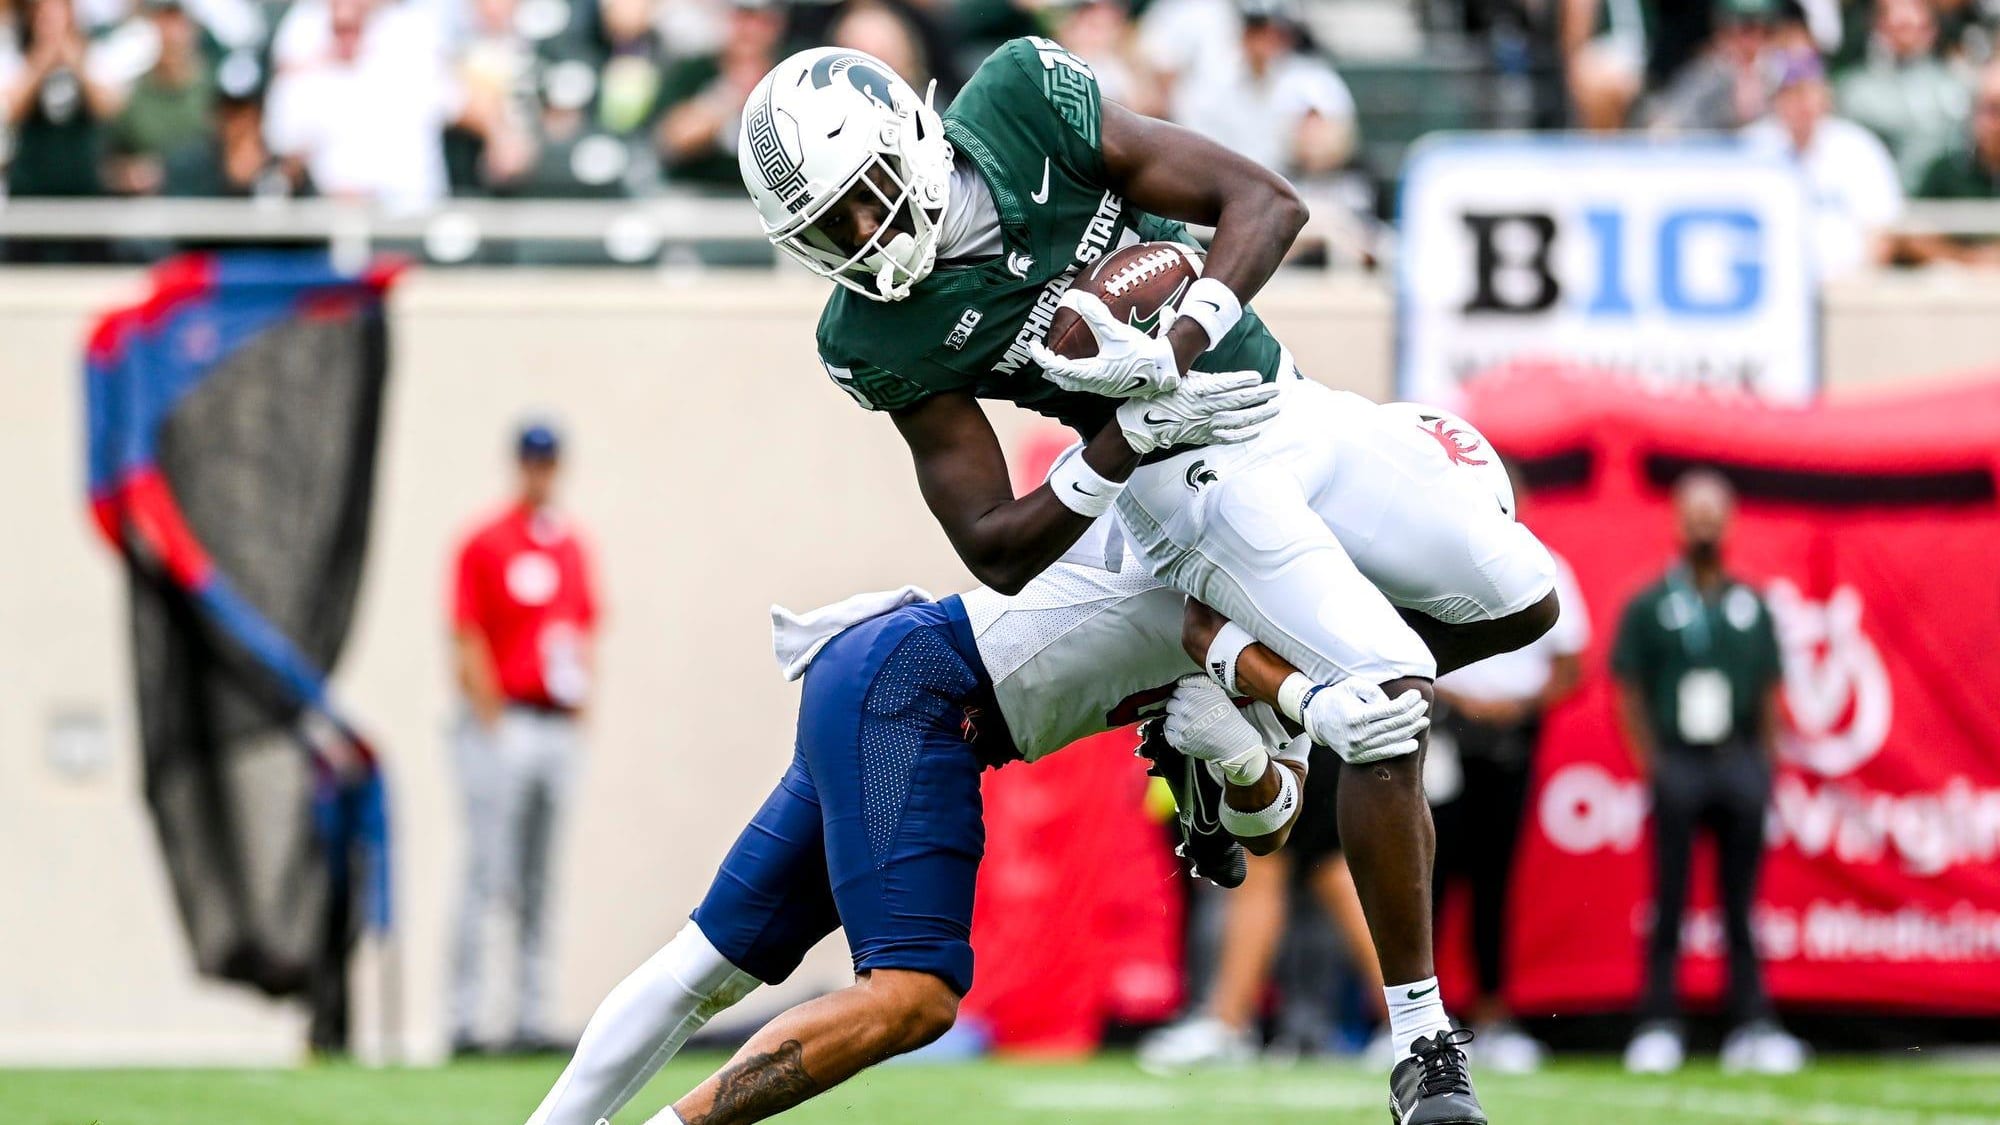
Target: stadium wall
[(716, 471)]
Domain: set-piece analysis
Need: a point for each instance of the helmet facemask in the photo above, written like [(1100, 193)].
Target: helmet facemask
[(907, 171)]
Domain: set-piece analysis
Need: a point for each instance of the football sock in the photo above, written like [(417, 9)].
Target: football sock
[(1415, 1010), (642, 1024)]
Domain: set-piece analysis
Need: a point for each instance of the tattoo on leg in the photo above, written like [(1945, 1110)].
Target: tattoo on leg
[(759, 1086)]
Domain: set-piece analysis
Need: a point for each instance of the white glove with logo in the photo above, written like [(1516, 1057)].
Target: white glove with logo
[(1208, 408), (1357, 720), (1128, 362), (1204, 724)]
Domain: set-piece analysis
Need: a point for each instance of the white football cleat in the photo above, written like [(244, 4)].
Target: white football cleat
[(1763, 1047), (1503, 1048), (1201, 1041), (1655, 1049)]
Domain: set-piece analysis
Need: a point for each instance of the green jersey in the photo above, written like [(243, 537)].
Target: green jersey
[(1029, 122)]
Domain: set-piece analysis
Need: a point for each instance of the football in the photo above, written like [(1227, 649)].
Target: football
[(1137, 284)]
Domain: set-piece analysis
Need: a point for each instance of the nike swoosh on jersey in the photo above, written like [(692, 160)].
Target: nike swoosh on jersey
[(1042, 196)]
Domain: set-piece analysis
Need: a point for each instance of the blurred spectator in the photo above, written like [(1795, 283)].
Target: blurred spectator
[(57, 103), (1697, 669), (361, 95), (1729, 85), (704, 96), (884, 32), (1615, 50), (171, 106), (523, 617), (1855, 194), (1604, 60), (232, 160), (1178, 38), (629, 86), (1489, 725), (1223, 1031), (1970, 169), (492, 142), (1100, 33), (1903, 92), (1280, 105)]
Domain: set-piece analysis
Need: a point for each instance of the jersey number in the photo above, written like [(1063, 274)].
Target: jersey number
[(1054, 54), (844, 379)]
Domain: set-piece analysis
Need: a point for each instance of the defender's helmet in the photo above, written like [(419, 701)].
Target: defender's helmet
[(823, 122)]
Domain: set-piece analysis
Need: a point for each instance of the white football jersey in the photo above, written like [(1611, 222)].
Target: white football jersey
[(1083, 648)]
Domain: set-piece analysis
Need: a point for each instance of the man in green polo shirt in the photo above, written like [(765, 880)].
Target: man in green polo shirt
[(1696, 663)]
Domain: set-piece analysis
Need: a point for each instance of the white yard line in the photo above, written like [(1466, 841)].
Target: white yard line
[(1754, 1105), (1157, 1095)]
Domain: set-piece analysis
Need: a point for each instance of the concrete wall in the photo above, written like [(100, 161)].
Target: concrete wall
[(717, 471)]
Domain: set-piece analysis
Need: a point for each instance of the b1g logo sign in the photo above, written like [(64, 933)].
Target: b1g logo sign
[(1675, 262)]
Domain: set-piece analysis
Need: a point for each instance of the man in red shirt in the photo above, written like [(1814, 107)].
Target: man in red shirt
[(523, 616)]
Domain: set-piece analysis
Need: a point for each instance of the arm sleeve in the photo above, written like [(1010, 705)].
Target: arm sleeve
[(465, 600), (588, 606), (1771, 658)]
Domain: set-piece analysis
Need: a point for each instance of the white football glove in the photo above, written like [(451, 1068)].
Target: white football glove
[(1204, 724), (1209, 408), (1128, 362), (1357, 720)]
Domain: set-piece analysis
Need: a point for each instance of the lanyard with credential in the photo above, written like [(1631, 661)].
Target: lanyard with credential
[(1695, 639)]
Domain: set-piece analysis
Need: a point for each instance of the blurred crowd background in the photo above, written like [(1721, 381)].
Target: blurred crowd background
[(406, 103)]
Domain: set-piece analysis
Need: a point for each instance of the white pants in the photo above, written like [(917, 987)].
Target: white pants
[(1313, 535), (515, 779)]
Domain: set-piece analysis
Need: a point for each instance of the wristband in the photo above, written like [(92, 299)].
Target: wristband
[(1080, 488), (1270, 818), (1229, 643), (1212, 305), (1292, 696)]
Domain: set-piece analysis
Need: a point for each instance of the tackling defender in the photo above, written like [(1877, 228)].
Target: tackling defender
[(876, 827), (1379, 555)]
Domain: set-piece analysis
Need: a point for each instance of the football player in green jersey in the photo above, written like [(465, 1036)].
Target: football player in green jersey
[(954, 238)]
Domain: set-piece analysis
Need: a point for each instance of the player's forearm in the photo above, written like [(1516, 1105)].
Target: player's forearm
[(1011, 543), (1260, 672)]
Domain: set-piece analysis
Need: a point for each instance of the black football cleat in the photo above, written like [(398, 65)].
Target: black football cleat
[(1433, 1086), (1212, 852)]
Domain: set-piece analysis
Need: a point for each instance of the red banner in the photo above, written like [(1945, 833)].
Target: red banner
[(1873, 529)]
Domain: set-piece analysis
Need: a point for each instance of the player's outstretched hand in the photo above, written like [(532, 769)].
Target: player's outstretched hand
[(1357, 720), (1204, 724), (1128, 362), (1208, 408)]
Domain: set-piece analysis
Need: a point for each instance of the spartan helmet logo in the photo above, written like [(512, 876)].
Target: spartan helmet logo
[(1199, 475), (1836, 687), (860, 73)]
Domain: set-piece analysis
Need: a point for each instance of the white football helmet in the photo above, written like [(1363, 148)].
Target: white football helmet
[(818, 125)]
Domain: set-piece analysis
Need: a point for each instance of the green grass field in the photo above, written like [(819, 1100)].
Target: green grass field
[(1109, 1091)]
